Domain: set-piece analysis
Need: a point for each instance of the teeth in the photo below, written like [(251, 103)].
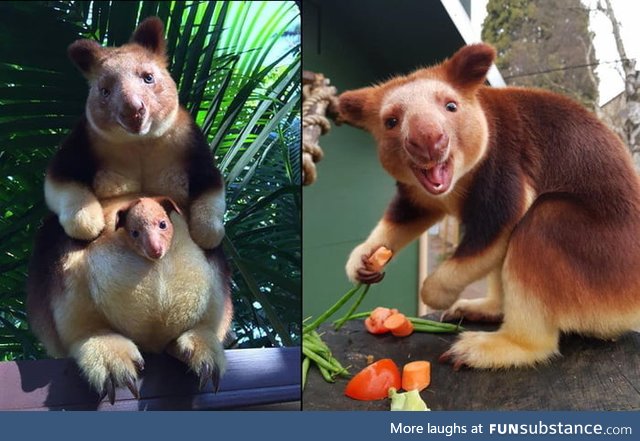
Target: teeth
[(431, 164)]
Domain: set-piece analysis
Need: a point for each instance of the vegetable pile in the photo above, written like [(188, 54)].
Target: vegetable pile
[(313, 348), (379, 321), (384, 320), (382, 379)]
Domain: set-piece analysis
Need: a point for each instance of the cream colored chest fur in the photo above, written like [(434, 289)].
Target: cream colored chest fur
[(152, 167), (151, 302)]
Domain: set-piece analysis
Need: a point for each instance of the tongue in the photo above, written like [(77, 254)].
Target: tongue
[(436, 175)]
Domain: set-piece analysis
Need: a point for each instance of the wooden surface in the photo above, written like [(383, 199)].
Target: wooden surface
[(254, 377), (590, 375)]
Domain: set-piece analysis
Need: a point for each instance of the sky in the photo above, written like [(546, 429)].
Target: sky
[(628, 14)]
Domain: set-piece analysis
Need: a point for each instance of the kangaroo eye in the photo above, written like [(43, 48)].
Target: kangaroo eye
[(451, 106), (163, 225), (148, 78), (135, 234), (390, 123), (105, 92)]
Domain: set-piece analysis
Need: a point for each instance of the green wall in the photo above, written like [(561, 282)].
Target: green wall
[(352, 189)]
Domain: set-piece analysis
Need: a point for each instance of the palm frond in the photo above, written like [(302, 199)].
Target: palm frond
[(239, 80)]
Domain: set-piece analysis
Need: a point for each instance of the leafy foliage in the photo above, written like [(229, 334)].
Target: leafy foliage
[(237, 65)]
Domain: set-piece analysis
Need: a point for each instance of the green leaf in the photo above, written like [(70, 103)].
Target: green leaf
[(243, 89)]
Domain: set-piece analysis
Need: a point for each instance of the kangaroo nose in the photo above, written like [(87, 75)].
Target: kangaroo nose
[(132, 114), (426, 145), (154, 248), (440, 145), (141, 110), (134, 109), (155, 252)]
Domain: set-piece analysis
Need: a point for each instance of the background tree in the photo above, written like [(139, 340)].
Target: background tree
[(237, 66), (626, 122), (544, 44)]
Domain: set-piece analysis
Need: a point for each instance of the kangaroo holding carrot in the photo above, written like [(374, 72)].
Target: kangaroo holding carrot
[(134, 139), (547, 196)]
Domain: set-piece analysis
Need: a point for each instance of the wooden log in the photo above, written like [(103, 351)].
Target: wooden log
[(590, 374), (254, 377)]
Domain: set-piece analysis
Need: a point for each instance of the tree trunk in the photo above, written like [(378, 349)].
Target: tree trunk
[(631, 116)]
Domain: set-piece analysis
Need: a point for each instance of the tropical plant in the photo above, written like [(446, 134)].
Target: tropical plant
[(237, 65)]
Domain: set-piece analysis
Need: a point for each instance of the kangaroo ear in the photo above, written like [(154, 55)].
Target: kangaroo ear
[(469, 66), (169, 205), (354, 106), (85, 54), (121, 218), (150, 35)]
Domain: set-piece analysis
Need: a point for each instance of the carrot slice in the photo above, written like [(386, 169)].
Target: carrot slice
[(379, 258), (374, 327), (375, 322), (399, 325), (416, 375)]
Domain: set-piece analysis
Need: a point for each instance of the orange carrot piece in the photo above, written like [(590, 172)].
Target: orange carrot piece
[(399, 325), (374, 327), (379, 258), (405, 331), (375, 322), (416, 375)]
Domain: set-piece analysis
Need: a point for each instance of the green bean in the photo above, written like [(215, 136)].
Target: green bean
[(345, 371), (317, 336), (319, 360), (325, 353), (353, 308), (326, 374), (358, 315), (418, 320), (429, 325), (432, 330), (318, 349), (316, 342), (336, 364), (306, 362), (436, 326), (329, 312), (313, 336)]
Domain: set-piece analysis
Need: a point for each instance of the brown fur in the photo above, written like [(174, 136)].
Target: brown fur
[(547, 196), (134, 138)]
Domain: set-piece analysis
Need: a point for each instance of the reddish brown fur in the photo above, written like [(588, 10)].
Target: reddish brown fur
[(585, 224), (574, 251)]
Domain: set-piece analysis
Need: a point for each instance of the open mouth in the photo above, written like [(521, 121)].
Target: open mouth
[(435, 178)]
